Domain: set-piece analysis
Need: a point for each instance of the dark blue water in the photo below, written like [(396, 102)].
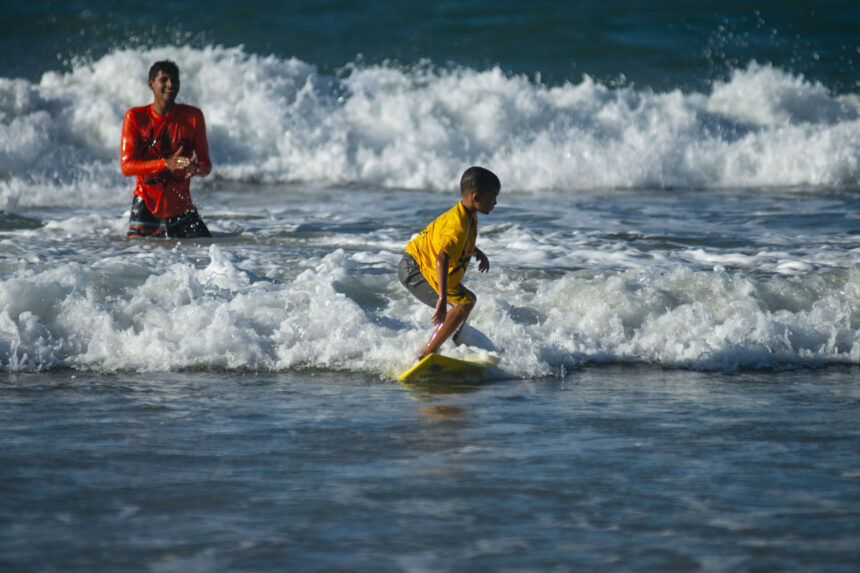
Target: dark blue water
[(669, 44), (635, 469)]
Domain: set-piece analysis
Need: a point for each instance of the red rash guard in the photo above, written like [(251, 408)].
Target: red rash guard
[(148, 140)]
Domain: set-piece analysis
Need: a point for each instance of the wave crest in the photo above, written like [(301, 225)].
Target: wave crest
[(280, 120)]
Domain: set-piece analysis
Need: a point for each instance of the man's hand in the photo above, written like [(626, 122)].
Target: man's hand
[(192, 170), (176, 162), (483, 261)]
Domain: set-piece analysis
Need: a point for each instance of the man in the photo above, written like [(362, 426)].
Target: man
[(164, 145)]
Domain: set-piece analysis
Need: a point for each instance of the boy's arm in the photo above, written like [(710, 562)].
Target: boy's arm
[(483, 261), (442, 281)]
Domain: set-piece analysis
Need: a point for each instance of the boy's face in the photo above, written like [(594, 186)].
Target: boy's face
[(484, 202)]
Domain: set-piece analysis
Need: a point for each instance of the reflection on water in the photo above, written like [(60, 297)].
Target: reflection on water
[(436, 386), (441, 413)]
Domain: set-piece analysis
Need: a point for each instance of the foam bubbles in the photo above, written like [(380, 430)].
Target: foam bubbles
[(139, 312), (278, 120), (305, 279), (682, 318), (768, 96)]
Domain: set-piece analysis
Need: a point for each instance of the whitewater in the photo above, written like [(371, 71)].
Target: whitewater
[(278, 120), (614, 242), (713, 231)]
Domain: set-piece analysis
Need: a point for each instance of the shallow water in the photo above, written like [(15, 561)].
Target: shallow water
[(299, 277), (634, 468)]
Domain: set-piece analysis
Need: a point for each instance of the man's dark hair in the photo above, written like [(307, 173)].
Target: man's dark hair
[(478, 180), (167, 66)]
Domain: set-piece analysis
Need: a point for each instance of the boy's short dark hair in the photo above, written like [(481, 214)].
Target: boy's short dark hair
[(169, 67), (478, 180)]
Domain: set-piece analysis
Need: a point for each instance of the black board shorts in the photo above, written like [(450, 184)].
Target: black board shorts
[(142, 223), (410, 276)]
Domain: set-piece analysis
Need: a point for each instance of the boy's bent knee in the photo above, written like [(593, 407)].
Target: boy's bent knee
[(467, 305), (463, 297)]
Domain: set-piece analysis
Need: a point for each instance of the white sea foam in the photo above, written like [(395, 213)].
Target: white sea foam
[(271, 119), (306, 278), (160, 310)]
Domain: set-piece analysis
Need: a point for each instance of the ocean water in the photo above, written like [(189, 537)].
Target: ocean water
[(672, 294)]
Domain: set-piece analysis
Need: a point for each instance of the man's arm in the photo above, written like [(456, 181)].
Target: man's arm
[(132, 166), (129, 165), (202, 166)]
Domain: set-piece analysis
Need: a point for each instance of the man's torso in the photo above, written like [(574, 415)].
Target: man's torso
[(155, 137)]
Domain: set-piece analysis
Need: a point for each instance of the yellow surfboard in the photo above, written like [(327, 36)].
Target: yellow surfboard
[(438, 366)]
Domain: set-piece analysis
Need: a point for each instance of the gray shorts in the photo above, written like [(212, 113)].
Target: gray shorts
[(410, 275)]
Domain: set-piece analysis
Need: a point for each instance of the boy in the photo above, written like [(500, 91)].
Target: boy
[(437, 258), (159, 142)]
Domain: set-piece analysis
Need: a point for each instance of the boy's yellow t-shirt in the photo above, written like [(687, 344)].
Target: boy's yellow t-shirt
[(455, 232)]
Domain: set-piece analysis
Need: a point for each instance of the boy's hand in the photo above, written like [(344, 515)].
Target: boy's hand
[(441, 311), (483, 261)]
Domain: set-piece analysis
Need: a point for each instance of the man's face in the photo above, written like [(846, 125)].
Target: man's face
[(164, 87)]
